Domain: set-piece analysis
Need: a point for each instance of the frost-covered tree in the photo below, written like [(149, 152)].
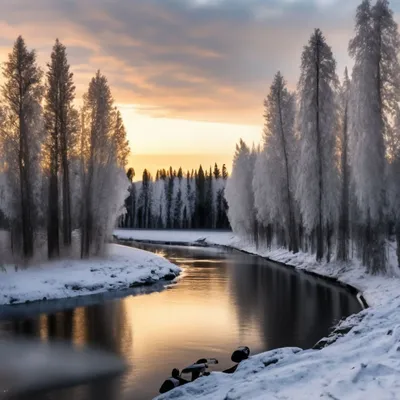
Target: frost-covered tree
[(376, 75), (195, 199), (342, 253), (104, 180), (239, 193), (190, 198), (317, 181), (178, 207), (274, 177), (209, 200), (393, 188), (22, 134), (169, 195), (120, 141), (200, 202), (61, 126), (145, 199)]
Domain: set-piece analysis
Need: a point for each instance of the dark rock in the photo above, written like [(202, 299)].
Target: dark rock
[(148, 282), (73, 287), (321, 344), (342, 330), (169, 277), (270, 362)]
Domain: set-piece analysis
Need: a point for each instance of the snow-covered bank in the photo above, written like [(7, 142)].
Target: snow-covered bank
[(122, 268), (364, 361)]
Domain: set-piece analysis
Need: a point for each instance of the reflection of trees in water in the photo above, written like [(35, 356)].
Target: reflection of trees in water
[(107, 327), (104, 326), (291, 309)]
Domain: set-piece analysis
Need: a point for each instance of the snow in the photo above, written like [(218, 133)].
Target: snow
[(122, 268), (363, 363)]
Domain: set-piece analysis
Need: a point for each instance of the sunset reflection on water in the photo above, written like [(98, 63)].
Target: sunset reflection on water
[(222, 300)]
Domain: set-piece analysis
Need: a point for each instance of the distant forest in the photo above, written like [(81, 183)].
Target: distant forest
[(177, 200)]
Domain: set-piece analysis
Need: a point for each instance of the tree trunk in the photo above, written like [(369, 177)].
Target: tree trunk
[(53, 241), (293, 243), (67, 220), (53, 245), (397, 231), (320, 242), (329, 234), (25, 187), (343, 239)]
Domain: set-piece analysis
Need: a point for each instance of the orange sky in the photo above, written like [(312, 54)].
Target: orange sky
[(153, 162), (189, 76)]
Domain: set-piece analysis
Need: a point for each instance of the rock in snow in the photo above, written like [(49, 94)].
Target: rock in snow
[(122, 268)]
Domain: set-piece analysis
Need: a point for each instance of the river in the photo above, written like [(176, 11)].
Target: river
[(223, 299)]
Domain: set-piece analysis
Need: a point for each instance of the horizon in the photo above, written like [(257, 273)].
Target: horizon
[(154, 162)]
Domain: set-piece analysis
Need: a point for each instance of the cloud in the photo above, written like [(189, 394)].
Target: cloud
[(202, 59)]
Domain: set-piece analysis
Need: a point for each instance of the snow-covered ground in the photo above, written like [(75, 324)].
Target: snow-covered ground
[(363, 362), (122, 268)]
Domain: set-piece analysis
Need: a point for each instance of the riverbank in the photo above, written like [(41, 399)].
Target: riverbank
[(122, 268), (363, 361)]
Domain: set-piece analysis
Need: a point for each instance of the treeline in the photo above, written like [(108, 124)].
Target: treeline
[(61, 169), (326, 178), (177, 200)]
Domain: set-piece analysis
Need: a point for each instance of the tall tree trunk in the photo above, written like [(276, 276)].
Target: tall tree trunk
[(378, 261), (255, 232), (329, 234), (53, 244), (53, 241), (343, 240), (320, 240), (67, 220), (293, 243), (397, 231), (25, 187)]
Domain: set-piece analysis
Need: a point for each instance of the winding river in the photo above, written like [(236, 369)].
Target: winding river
[(222, 300)]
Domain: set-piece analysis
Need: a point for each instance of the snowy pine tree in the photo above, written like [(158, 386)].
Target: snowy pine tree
[(344, 218), (317, 181), (239, 193), (22, 135), (276, 165), (374, 48)]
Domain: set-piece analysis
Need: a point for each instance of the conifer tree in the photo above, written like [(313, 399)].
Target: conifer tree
[(22, 92), (344, 218), (224, 172), (61, 125), (376, 81), (217, 172), (277, 172), (317, 181)]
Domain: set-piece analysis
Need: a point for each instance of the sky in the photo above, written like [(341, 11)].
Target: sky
[(189, 76)]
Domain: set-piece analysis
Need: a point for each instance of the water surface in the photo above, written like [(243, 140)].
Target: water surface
[(222, 300)]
